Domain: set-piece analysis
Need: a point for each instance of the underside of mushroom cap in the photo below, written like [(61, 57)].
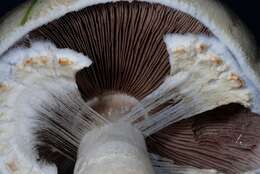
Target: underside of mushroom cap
[(161, 65), (236, 82)]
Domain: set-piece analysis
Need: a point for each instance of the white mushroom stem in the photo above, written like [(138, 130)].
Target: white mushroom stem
[(116, 148)]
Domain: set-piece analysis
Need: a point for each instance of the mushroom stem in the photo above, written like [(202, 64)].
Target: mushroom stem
[(112, 106), (113, 149)]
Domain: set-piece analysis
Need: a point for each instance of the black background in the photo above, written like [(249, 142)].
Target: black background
[(247, 10)]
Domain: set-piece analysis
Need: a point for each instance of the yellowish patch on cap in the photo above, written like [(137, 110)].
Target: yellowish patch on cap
[(216, 60), (3, 87), (42, 60), (179, 50), (239, 83), (65, 61), (200, 48), (28, 61)]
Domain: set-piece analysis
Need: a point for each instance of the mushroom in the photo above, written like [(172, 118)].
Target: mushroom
[(135, 69)]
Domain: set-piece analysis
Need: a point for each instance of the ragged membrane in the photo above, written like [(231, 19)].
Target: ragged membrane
[(27, 72)]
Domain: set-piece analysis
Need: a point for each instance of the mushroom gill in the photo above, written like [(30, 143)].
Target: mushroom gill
[(152, 65), (226, 138)]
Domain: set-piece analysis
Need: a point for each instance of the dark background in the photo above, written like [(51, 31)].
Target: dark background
[(247, 10)]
